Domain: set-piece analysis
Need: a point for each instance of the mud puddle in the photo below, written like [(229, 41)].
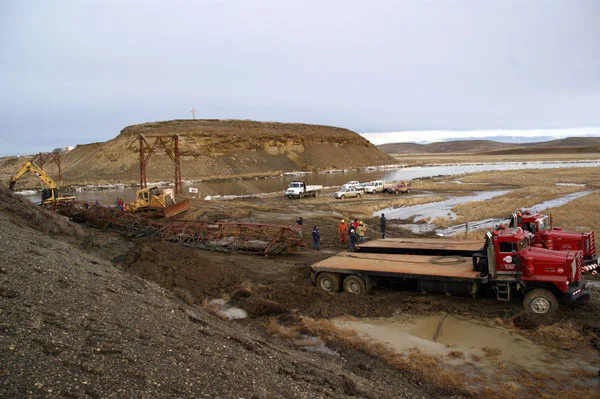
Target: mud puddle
[(456, 340), (475, 348)]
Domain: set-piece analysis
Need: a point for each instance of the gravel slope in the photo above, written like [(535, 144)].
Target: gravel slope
[(73, 325)]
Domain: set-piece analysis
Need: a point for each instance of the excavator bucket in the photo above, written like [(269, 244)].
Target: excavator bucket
[(177, 208)]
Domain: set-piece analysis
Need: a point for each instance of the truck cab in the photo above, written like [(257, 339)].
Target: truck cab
[(540, 226), (546, 275)]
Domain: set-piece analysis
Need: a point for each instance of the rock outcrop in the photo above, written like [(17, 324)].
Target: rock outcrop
[(212, 149)]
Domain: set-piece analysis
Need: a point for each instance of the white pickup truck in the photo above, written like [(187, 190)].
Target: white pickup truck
[(352, 183), (349, 192), (299, 189)]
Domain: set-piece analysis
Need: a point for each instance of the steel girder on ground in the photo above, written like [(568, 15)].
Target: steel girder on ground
[(253, 238)]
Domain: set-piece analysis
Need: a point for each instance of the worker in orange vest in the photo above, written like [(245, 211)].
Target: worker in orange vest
[(343, 231)]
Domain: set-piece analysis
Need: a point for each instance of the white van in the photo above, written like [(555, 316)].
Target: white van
[(375, 187)]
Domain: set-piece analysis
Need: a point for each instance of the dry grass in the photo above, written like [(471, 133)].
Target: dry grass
[(503, 206), (563, 335), (491, 352), (421, 159), (456, 355), (274, 328), (533, 187)]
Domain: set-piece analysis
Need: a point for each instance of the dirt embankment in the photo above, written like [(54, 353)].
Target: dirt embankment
[(74, 325), (217, 149)]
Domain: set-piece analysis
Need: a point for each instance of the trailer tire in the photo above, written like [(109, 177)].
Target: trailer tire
[(329, 282), (355, 285), (541, 302)]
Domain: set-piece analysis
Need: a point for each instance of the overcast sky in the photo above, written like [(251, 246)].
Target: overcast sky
[(78, 71)]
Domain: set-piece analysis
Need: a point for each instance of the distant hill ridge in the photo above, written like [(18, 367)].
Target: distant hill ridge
[(489, 147), (214, 149)]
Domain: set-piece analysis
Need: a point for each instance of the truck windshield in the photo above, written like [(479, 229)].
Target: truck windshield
[(544, 223), (295, 185)]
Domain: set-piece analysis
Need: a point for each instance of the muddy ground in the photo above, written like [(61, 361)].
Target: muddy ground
[(87, 313)]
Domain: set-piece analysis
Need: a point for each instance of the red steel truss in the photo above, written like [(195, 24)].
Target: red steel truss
[(45, 157), (250, 238), (170, 144)]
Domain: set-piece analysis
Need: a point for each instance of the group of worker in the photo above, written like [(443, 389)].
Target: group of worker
[(349, 233)]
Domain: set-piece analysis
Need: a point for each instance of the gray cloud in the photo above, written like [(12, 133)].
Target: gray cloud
[(77, 72)]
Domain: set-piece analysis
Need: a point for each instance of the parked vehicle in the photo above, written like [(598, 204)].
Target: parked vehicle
[(374, 187), (352, 183), (555, 237), (402, 187), (49, 193), (506, 263), (299, 189), (349, 192)]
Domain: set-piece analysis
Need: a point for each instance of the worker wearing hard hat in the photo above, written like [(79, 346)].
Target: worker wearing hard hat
[(360, 231), (343, 231)]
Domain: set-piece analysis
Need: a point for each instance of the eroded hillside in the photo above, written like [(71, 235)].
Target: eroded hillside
[(219, 149)]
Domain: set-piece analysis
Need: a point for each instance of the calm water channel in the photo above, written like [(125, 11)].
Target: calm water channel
[(278, 184)]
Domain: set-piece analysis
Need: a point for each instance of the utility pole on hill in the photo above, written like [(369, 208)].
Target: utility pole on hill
[(193, 111)]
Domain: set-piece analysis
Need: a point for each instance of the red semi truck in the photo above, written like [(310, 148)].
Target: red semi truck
[(555, 237), (506, 263)]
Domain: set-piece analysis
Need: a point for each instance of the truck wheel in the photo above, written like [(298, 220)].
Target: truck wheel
[(540, 301), (408, 191), (329, 282), (358, 195), (355, 285), (342, 197)]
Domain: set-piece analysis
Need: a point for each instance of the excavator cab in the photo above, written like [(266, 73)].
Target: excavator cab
[(49, 194)]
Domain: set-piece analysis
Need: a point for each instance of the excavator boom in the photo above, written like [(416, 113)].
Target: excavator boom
[(36, 170)]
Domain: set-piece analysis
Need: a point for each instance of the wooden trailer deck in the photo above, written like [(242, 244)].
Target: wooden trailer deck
[(400, 265), (425, 243)]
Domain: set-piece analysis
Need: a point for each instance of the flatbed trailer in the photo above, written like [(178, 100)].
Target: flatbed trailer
[(505, 263), (422, 246), (451, 274)]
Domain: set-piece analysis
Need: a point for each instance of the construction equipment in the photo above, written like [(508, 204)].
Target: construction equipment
[(50, 193), (555, 237), (154, 202), (507, 263)]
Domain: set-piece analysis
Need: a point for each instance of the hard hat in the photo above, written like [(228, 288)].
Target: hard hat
[(343, 221), (361, 223), (352, 231)]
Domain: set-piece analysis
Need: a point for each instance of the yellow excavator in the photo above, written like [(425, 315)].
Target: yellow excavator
[(50, 193), (153, 202)]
